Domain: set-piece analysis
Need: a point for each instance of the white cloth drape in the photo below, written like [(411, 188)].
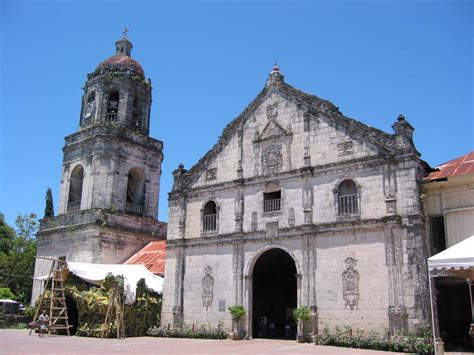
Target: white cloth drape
[(96, 273)]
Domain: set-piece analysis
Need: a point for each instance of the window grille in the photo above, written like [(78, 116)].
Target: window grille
[(136, 209), (347, 198), (272, 205), (73, 206), (111, 117), (272, 201), (348, 205), (209, 222)]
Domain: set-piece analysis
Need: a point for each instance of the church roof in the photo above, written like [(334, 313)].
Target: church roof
[(314, 105), (121, 61), (460, 166), (152, 256)]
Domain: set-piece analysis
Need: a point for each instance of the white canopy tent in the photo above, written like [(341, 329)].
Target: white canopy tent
[(96, 274), (456, 261)]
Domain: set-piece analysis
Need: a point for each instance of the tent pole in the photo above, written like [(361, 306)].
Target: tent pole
[(431, 303), (469, 282)]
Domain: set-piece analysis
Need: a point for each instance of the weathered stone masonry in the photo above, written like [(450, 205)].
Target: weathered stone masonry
[(341, 198), (110, 182)]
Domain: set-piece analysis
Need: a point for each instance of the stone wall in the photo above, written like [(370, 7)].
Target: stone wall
[(305, 148)]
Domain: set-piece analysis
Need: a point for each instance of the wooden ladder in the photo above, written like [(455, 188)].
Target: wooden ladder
[(53, 299)]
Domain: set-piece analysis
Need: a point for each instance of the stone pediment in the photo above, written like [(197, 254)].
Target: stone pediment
[(272, 130), (313, 105)]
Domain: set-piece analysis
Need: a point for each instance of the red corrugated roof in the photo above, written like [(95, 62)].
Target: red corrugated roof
[(152, 256), (459, 166)]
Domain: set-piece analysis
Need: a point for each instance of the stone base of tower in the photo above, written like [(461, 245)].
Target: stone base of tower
[(92, 236)]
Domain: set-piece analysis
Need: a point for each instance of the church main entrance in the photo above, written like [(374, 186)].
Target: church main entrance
[(274, 295)]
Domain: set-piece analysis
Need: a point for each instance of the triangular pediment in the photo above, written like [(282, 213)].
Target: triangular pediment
[(312, 105), (272, 130)]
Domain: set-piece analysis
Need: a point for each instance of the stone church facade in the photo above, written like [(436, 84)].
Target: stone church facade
[(299, 205), (108, 202)]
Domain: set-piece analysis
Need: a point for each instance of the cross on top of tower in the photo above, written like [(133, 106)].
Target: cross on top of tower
[(125, 31)]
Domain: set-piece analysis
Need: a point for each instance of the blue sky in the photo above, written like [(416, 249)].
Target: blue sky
[(207, 60)]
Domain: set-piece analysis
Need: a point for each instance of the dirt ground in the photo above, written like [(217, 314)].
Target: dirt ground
[(19, 342)]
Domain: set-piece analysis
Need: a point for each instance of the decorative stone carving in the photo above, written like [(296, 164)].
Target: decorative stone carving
[(256, 159), (291, 217), (253, 224), (207, 288), (178, 176), (308, 216), (350, 284), (272, 111), (272, 159), (391, 202), (345, 148), (211, 174), (271, 230)]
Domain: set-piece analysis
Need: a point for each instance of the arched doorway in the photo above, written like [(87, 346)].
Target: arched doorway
[(274, 295)]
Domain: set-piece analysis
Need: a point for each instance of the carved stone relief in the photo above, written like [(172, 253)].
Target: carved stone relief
[(211, 174), (272, 111), (391, 202), (272, 159), (271, 230), (350, 284), (291, 217), (256, 159), (207, 288), (253, 223), (345, 148)]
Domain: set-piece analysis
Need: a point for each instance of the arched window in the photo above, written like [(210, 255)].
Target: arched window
[(75, 189), (112, 106), (136, 113), (136, 192), (347, 198), (210, 217)]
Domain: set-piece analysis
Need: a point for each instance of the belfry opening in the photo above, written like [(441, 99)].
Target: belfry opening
[(274, 295)]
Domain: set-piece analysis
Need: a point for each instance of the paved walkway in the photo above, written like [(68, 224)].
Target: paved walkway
[(18, 342)]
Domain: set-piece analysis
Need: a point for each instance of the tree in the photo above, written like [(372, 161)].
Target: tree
[(17, 255), (49, 208)]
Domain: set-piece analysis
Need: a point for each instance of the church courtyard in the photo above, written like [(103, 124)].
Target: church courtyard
[(18, 342)]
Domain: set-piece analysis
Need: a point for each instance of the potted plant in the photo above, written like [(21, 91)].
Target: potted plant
[(302, 314), (237, 313)]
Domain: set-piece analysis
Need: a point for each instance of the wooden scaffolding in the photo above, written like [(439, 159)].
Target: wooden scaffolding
[(53, 300), (115, 312)]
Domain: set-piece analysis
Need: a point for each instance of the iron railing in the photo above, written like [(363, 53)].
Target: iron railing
[(133, 208), (348, 205), (210, 222), (111, 117), (272, 205), (73, 206)]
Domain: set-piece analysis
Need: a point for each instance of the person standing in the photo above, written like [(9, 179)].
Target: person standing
[(43, 321)]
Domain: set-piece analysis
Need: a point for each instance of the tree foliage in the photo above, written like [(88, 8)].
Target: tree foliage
[(17, 255), (49, 207)]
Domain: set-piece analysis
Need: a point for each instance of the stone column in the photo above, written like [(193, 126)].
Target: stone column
[(178, 317)]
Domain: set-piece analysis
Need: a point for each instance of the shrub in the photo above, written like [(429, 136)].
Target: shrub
[(199, 332), (5, 292), (237, 312), (302, 313), (420, 343)]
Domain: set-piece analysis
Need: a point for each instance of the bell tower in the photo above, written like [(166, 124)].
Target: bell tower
[(110, 182)]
